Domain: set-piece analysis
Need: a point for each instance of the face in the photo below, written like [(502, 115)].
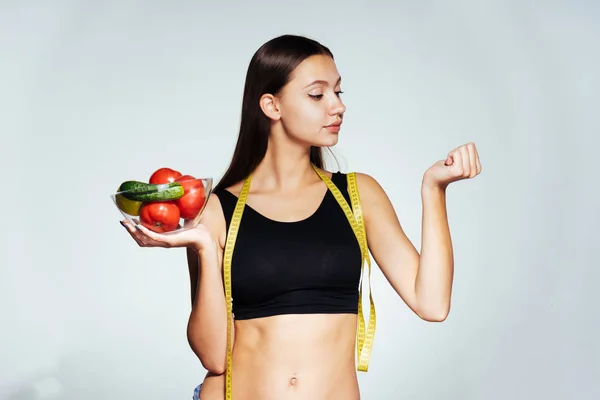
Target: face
[(309, 107)]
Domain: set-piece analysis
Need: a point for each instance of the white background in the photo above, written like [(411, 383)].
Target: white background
[(96, 92)]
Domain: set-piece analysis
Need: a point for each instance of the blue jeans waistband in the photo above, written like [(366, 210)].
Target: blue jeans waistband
[(197, 392)]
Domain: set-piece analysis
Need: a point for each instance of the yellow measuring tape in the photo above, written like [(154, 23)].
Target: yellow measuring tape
[(364, 334)]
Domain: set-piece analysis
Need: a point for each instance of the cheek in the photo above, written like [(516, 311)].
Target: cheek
[(307, 115)]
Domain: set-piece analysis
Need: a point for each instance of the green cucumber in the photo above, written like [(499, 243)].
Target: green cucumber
[(134, 185), (146, 192)]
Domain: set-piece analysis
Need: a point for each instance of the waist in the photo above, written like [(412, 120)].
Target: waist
[(293, 335), (296, 357)]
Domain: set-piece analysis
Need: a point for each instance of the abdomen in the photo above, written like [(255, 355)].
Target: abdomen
[(293, 357)]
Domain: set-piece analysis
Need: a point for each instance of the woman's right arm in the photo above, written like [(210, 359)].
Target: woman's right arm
[(193, 261), (207, 324)]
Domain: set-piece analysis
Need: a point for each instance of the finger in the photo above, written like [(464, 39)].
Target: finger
[(142, 239), (448, 161), (156, 238), (477, 162), (472, 159), (153, 239), (464, 152), (451, 159), (134, 233), (457, 165)]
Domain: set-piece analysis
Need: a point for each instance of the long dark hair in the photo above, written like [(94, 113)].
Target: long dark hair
[(269, 70)]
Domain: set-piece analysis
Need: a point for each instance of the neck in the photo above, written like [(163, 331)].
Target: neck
[(285, 167)]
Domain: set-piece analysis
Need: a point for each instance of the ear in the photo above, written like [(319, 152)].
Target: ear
[(270, 106)]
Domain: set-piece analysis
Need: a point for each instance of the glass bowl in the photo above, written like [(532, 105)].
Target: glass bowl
[(165, 208)]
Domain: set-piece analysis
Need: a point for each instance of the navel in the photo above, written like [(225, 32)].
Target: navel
[(293, 381)]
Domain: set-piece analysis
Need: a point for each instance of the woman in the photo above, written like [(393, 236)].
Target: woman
[(297, 262)]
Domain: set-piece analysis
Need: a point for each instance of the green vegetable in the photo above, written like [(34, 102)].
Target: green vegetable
[(134, 185), (147, 192)]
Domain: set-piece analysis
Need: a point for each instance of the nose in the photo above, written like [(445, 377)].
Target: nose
[(337, 107)]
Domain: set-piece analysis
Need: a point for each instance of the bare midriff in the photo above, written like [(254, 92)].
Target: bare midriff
[(291, 357)]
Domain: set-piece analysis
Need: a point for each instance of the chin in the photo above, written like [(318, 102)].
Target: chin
[(329, 141)]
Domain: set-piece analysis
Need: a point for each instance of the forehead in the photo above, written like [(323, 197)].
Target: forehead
[(315, 68)]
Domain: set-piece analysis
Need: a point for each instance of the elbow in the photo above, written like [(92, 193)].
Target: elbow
[(211, 359), (211, 355), (213, 366), (435, 315)]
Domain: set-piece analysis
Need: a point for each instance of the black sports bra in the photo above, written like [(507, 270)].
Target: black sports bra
[(311, 266)]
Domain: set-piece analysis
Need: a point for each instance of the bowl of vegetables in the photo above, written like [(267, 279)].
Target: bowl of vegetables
[(167, 203)]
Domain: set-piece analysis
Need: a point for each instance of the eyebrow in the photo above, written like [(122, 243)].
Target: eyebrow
[(322, 82)]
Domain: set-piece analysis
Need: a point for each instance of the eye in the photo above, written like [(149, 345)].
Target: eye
[(320, 96)]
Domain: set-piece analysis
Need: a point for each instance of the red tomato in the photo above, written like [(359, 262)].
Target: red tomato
[(164, 175), (193, 197), (160, 216)]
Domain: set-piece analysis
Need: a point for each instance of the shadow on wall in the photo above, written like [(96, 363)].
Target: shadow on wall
[(119, 370), (37, 387), (82, 375)]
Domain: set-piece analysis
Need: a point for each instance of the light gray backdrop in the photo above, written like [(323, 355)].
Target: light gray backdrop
[(97, 92)]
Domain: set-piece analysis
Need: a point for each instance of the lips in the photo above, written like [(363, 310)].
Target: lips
[(335, 127)]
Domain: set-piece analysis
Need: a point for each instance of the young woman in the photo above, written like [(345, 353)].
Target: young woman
[(297, 262)]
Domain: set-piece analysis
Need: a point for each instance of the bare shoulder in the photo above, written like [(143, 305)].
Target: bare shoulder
[(368, 186), (372, 195)]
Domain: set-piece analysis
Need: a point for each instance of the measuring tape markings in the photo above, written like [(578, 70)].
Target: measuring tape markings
[(356, 220), (227, 257), (364, 352)]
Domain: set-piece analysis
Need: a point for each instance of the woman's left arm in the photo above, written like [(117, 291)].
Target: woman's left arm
[(423, 281)]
